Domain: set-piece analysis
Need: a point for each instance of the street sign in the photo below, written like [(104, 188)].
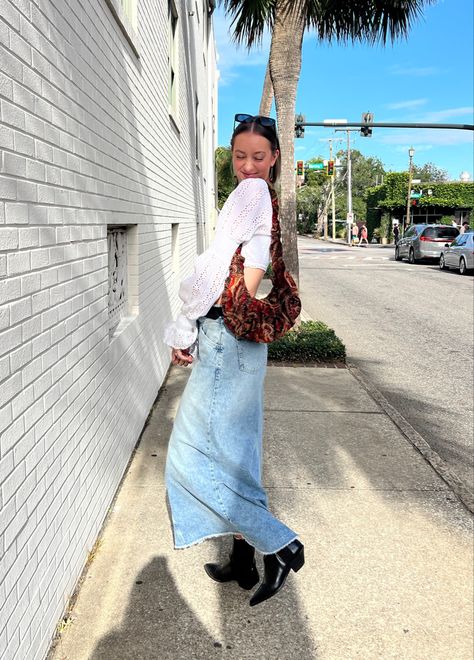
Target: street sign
[(350, 217), (315, 166), (415, 195)]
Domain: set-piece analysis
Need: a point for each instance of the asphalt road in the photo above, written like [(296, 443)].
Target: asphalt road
[(410, 331)]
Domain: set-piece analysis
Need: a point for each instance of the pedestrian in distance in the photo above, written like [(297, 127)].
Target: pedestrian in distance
[(363, 235), (214, 464), (355, 234), (464, 227), (396, 233)]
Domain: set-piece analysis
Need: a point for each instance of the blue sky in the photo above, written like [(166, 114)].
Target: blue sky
[(426, 78)]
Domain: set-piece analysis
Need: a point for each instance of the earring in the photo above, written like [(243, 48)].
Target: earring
[(271, 173)]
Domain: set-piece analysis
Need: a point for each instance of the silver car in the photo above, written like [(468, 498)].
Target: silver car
[(460, 254), (424, 242)]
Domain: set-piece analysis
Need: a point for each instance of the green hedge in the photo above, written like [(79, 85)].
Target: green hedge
[(311, 341), (391, 198)]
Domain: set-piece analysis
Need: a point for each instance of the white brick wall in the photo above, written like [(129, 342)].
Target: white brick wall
[(86, 140)]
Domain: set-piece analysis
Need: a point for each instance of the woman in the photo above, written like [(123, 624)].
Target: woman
[(363, 235), (213, 468)]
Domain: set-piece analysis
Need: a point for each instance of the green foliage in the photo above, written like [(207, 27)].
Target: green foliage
[(429, 173), (365, 172), (341, 230), (269, 272), (393, 194), (225, 175), (391, 198), (310, 199), (384, 230), (446, 220), (311, 341)]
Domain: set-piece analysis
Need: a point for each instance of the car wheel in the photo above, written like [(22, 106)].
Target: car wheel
[(411, 256), (442, 263), (462, 266), (397, 254)]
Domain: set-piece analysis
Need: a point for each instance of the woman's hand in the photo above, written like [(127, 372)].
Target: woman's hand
[(180, 357)]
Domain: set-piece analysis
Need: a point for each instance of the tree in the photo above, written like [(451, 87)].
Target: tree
[(372, 21), (312, 198), (225, 176), (430, 173), (366, 173)]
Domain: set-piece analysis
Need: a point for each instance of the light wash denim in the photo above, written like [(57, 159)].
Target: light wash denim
[(214, 463)]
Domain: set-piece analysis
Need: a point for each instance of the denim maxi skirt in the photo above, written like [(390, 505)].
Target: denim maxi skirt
[(214, 463)]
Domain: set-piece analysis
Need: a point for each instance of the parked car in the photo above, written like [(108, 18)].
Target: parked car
[(460, 254), (424, 242)]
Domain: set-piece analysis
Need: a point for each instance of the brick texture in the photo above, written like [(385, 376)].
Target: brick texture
[(86, 141)]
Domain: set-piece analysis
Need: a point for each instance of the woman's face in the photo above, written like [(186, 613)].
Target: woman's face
[(252, 157)]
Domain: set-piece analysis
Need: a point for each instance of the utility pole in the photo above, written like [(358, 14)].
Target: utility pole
[(350, 215), (411, 153), (333, 199)]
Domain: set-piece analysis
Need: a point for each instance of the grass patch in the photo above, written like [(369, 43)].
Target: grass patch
[(311, 341)]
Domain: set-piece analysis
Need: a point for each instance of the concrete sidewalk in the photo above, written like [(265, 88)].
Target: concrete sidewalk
[(388, 569)]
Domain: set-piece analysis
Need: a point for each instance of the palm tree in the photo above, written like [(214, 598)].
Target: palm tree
[(371, 21)]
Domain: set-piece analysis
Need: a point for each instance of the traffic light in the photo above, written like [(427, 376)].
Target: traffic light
[(414, 202), (367, 118), (299, 130), (300, 167), (330, 168)]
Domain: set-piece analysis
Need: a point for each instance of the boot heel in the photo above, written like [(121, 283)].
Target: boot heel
[(249, 581), (298, 561)]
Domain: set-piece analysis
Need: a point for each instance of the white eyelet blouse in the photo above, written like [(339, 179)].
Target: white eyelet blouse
[(245, 218)]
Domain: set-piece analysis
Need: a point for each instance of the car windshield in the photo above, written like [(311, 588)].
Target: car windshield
[(441, 232)]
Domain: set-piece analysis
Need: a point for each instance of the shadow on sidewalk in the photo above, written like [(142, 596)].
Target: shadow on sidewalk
[(159, 624)]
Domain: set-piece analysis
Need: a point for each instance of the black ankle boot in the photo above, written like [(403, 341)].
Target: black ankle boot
[(241, 566), (277, 567)]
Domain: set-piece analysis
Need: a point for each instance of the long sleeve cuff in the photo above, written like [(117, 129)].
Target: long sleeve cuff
[(182, 333)]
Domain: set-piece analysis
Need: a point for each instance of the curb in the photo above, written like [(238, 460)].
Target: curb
[(433, 458)]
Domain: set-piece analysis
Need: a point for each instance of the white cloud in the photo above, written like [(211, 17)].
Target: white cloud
[(440, 115), (427, 137), (403, 105), (418, 148)]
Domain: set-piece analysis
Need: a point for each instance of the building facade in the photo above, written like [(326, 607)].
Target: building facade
[(107, 193)]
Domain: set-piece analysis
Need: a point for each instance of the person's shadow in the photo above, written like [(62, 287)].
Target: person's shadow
[(160, 625)]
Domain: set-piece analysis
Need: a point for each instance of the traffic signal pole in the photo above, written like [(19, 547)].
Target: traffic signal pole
[(331, 123), (333, 199), (349, 189), (350, 215), (366, 125)]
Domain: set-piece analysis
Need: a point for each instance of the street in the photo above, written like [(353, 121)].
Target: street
[(408, 328)]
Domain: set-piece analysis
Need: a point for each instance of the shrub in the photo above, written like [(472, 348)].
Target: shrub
[(311, 341), (269, 272), (446, 220)]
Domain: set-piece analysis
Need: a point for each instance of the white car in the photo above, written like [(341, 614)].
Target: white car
[(460, 254)]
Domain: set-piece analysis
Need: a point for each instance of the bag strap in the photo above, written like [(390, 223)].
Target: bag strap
[(276, 249)]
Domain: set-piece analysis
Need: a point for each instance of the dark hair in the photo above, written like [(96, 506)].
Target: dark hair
[(267, 132)]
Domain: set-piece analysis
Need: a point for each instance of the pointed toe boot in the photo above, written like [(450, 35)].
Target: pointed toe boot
[(241, 566), (277, 567)]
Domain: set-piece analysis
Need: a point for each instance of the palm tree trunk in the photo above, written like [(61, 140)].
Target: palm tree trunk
[(267, 94), (285, 67)]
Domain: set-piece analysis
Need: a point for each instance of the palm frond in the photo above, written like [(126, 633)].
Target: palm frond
[(249, 19), (371, 21)]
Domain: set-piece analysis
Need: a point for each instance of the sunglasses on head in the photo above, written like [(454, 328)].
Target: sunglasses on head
[(268, 122)]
